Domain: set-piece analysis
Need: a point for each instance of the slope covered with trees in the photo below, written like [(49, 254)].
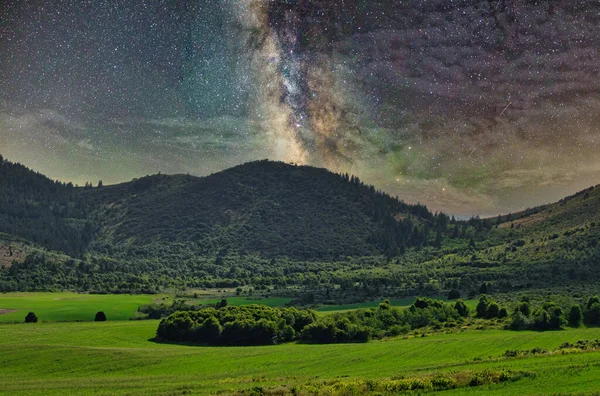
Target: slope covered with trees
[(271, 225), (269, 208), (36, 208)]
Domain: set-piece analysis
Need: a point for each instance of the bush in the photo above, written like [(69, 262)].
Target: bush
[(592, 315), (31, 318), (503, 313), (524, 308), (492, 311), (575, 316), (100, 317), (481, 309), (462, 308), (591, 301), (519, 321), (453, 295)]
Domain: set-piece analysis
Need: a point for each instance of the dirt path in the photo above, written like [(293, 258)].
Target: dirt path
[(5, 311)]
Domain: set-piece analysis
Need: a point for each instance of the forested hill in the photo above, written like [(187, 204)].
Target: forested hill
[(36, 208), (264, 207), (270, 223), (270, 208)]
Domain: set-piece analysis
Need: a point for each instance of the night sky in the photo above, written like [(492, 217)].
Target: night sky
[(471, 107)]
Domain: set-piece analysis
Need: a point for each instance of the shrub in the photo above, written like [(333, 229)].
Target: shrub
[(453, 295), (492, 311), (524, 308), (592, 315), (31, 318), (519, 321), (591, 301), (100, 317), (481, 309), (503, 313), (462, 308)]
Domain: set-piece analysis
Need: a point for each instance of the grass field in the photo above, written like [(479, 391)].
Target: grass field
[(118, 357), (52, 307), (237, 301), (59, 307)]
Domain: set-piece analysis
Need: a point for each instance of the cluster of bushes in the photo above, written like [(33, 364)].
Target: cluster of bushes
[(259, 325), (552, 317), (385, 321), (488, 308), (245, 325)]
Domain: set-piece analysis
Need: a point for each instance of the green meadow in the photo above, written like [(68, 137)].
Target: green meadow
[(120, 357), (237, 301), (61, 307), (56, 307)]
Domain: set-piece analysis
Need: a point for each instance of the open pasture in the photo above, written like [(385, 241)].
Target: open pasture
[(56, 307), (120, 358)]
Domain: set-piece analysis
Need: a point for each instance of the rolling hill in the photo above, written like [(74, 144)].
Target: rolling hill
[(272, 224), (269, 208)]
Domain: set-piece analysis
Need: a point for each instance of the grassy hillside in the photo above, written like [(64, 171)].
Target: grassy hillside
[(117, 358)]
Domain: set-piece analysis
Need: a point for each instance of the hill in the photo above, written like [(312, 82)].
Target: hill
[(34, 207), (272, 225), (268, 208)]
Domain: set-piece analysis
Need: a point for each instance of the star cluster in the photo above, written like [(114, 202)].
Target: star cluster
[(469, 106)]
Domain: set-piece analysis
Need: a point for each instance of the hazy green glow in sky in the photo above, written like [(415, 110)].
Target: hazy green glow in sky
[(471, 107)]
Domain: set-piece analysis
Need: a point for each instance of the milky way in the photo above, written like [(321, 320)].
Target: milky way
[(472, 107)]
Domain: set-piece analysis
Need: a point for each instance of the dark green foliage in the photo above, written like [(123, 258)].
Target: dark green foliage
[(503, 313), (362, 324), (541, 320), (547, 317), (453, 295), (100, 317), (209, 331), (575, 316), (493, 311), (385, 304), (462, 308), (268, 207), (31, 318), (159, 310), (592, 314), (246, 325), (259, 325), (519, 321), (335, 330), (483, 289), (36, 208), (482, 306), (524, 308), (591, 301), (222, 304)]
